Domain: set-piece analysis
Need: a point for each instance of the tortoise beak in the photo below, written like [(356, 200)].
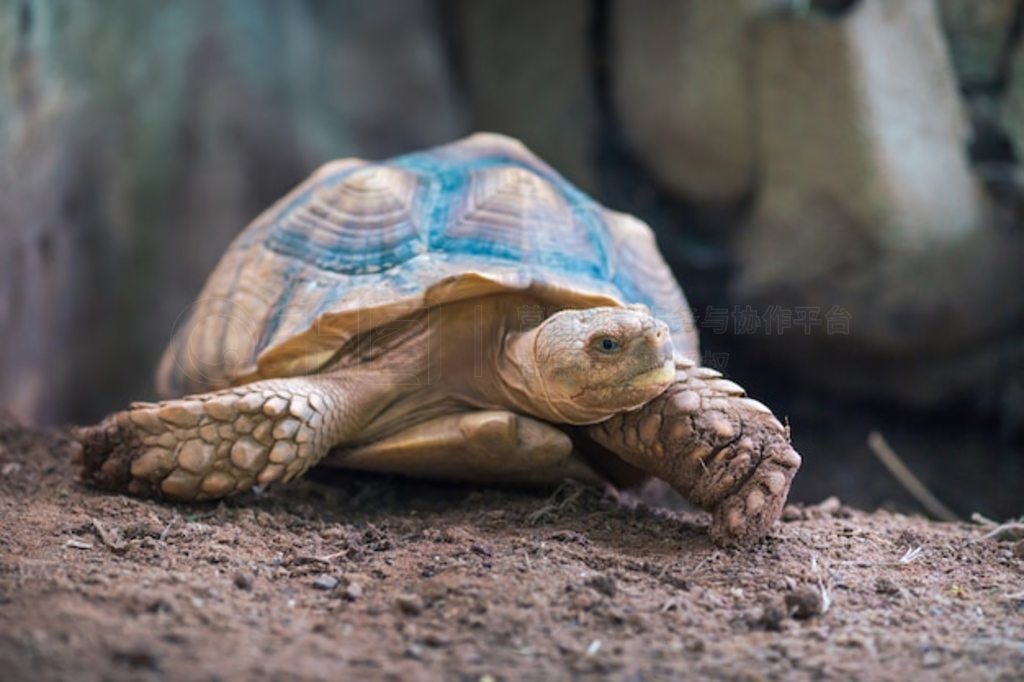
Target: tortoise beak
[(656, 354)]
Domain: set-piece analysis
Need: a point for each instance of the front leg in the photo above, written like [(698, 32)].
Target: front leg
[(719, 449), (216, 444)]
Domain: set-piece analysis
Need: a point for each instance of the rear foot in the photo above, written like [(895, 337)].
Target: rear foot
[(206, 446)]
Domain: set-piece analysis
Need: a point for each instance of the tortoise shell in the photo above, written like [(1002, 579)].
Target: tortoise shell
[(359, 244)]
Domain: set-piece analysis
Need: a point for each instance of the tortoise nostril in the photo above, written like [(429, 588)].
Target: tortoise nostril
[(656, 336), (659, 341)]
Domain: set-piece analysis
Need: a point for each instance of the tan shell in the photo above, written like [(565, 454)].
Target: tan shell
[(359, 244)]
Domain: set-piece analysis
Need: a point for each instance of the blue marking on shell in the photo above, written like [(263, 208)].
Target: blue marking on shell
[(453, 180), (280, 305), (631, 291), (319, 226), (438, 185), (450, 182)]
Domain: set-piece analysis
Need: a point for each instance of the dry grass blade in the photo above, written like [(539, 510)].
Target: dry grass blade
[(911, 555), (908, 480), (570, 492)]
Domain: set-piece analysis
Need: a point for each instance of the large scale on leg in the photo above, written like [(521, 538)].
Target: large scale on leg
[(462, 312)]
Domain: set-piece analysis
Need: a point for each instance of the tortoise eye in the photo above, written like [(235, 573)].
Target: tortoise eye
[(608, 345)]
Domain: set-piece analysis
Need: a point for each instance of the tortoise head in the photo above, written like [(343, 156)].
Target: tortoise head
[(590, 364)]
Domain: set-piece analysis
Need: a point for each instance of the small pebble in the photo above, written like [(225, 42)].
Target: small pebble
[(409, 604), (325, 582), (829, 506), (793, 513), (353, 591)]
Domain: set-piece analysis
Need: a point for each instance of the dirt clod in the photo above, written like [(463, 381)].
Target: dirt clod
[(604, 584), (242, 580), (774, 615), (409, 604), (805, 602), (139, 657), (885, 585)]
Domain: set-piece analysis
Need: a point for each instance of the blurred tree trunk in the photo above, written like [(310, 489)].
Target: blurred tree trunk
[(136, 138)]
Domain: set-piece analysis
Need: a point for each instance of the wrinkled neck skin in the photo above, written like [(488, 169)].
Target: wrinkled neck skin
[(525, 387)]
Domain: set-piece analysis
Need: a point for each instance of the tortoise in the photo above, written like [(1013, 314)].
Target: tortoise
[(462, 312)]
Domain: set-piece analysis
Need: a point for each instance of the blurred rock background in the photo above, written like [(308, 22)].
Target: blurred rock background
[(836, 182)]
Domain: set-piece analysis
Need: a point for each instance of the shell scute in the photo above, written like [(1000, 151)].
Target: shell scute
[(362, 222)]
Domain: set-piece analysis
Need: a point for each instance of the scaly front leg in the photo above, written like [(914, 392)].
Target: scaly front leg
[(719, 449), (216, 444)]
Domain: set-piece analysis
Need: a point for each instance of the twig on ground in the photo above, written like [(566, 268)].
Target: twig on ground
[(315, 559), (572, 492), (982, 520), (167, 529), (908, 480), (1011, 530), (75, 543), (706, 559)]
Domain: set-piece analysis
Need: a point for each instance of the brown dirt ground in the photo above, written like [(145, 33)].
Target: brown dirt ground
[(367, 577)]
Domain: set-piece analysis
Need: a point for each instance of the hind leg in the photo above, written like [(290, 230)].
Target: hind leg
[(217, 444), (485, 446)]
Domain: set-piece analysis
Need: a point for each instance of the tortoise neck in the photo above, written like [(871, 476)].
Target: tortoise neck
[(519, 376), (517, 372)]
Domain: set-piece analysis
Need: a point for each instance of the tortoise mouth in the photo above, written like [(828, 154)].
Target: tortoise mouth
[(660, 374), (628, 394)]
